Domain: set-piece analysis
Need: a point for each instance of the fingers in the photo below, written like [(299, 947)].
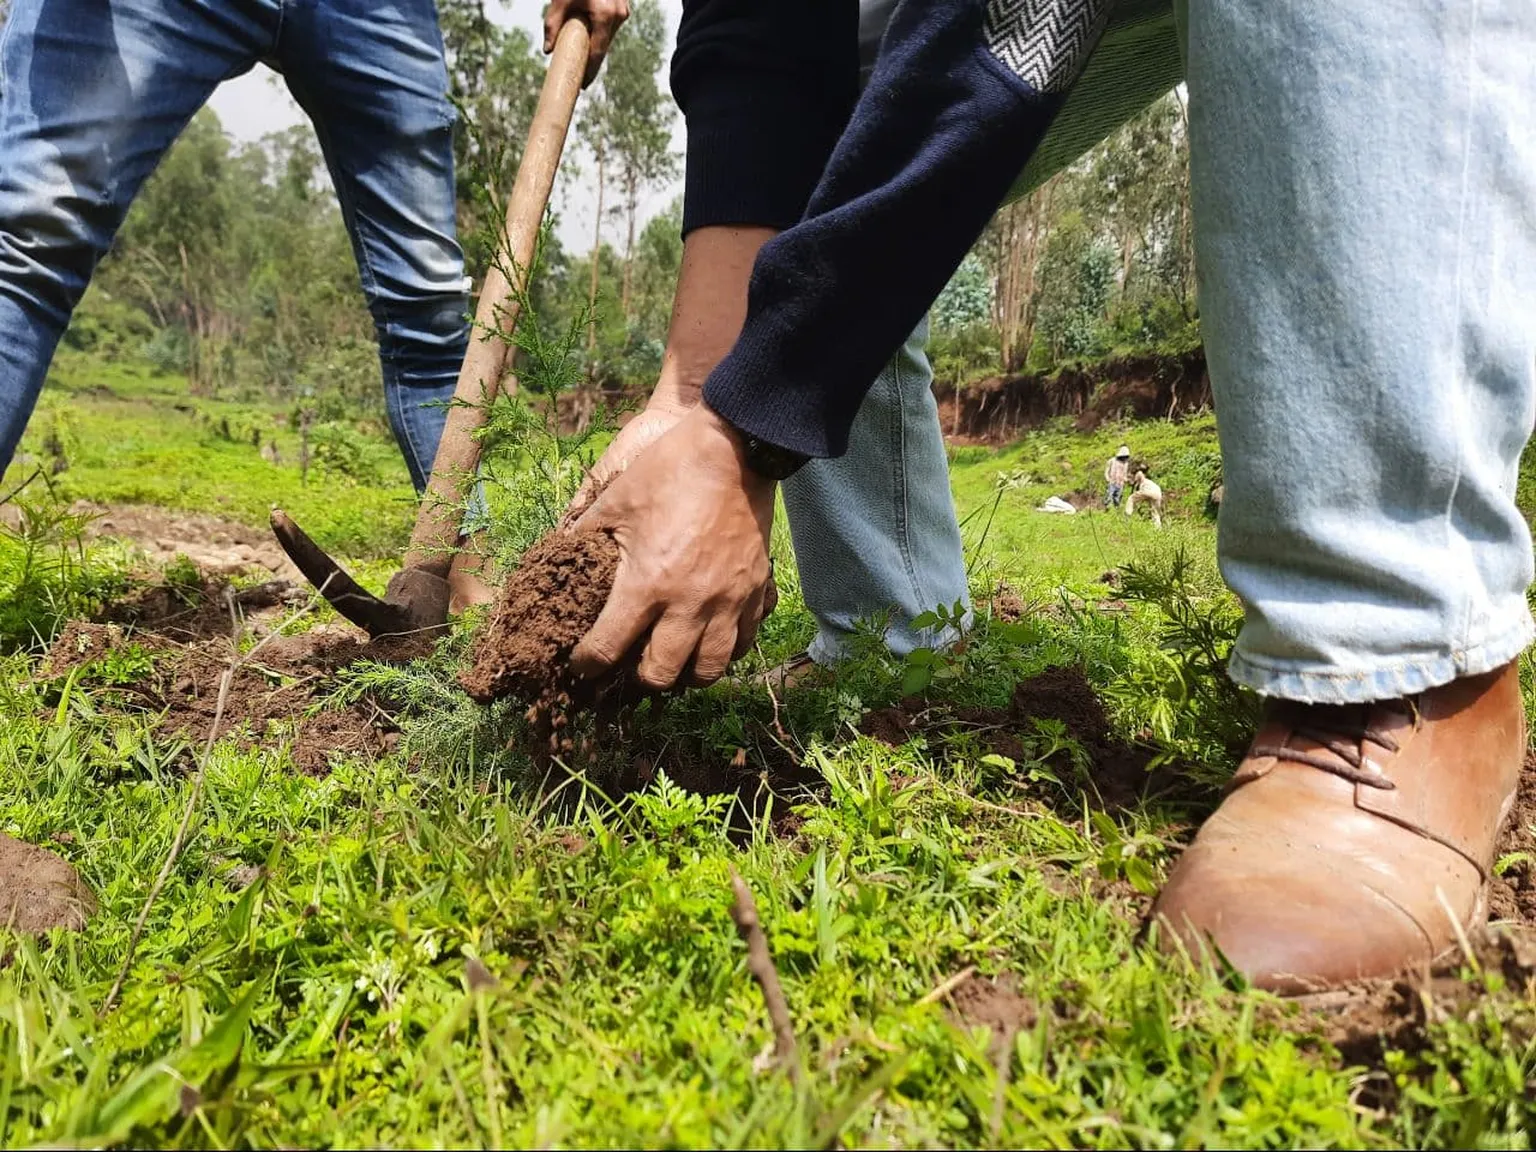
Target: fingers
[(554, 18), (619, 627), (603, 18), (717, 648), (673, 643), (752, 614), (585, 497), (607, 15)]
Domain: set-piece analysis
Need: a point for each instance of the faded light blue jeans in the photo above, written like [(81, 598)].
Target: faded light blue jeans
[(874, 530), (93, 92), (1364, 180)]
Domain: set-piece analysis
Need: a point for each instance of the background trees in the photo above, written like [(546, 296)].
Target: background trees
[(234, 268)]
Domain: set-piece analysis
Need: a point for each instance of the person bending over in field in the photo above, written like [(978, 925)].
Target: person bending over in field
[(1359, 329), (1143, 487)]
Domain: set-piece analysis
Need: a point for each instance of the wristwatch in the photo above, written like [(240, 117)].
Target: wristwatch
[(769, 460)]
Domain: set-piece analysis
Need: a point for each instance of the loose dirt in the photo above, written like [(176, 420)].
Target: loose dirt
[(1367, 1020), (547, 605), (994, 1004), (39, 891), (1117, 773), (278, 693), (1513, 895)]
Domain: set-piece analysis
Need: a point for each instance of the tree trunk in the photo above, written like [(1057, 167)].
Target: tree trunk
[(631, 208), (597, 244), (1128, 249), (1040, 224)]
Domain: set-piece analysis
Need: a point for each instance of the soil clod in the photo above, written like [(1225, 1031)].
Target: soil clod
[(39, 890), (547, 605), (994, 1004)]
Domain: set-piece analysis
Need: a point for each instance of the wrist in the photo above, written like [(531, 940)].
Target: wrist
[(671, 396), (759, 458)]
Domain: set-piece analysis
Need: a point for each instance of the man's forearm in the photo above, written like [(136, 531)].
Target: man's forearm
[(708, 308)]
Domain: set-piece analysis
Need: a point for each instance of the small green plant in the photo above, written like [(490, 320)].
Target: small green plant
[(184, 578), (923, 666), (1132, 856), (1194, 709), (47, 574)]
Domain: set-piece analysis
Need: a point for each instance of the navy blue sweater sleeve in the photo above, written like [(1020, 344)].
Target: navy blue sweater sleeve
[(935, 141), (765, 87)]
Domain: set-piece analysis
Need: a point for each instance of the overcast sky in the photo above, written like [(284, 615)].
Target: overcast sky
[(257, 103)]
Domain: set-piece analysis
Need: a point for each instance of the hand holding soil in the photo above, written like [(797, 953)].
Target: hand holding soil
[(692, 524)]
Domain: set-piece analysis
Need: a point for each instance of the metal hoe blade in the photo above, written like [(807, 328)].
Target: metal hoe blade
[(423, 610)]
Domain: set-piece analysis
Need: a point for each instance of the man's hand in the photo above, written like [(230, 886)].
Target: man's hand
[(692, 523), (603, 18), (646, 427)]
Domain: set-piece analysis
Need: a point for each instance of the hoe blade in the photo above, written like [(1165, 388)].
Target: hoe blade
[(375, 616)]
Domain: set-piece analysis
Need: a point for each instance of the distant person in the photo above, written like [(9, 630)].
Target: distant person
[(1371, 346), (1145, 488), (1115, 473)]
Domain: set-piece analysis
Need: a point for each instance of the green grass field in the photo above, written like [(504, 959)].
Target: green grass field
[(426, 949)]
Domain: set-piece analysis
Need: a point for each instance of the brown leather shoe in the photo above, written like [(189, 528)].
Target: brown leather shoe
[(1350, 836)]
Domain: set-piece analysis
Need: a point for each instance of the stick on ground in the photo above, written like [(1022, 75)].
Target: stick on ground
[(760, 964)]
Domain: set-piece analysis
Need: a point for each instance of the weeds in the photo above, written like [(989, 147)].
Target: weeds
[(46, 573)]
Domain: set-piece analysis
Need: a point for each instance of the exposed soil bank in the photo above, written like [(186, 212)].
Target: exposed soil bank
[(1000, 408)]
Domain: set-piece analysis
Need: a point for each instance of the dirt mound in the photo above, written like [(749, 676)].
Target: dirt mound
[(1117, 772), (994, 1004), (206, 609), (278, 693), (546, 606), (39, 891), (1007, 605)]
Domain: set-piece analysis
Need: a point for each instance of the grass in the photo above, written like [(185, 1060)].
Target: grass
[(426, 951), (130, 435)]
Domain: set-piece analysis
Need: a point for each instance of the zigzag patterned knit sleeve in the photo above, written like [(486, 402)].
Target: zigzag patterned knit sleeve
[(961, 94)]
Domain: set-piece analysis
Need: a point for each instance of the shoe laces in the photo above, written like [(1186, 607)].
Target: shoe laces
[(1343, 731)]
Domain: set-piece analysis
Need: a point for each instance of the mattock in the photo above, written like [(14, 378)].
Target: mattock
[(418, 596)]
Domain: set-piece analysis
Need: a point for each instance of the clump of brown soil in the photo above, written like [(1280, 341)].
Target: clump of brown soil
[(277, 692), (205, 610), (1007, 605), (996, 1005), (39, 891), (1117, 771), (546, 606)]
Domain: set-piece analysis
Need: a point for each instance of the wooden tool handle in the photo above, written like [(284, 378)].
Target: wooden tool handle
[(453, 470)]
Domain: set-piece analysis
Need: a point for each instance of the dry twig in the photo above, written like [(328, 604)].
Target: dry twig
[(760, 964)]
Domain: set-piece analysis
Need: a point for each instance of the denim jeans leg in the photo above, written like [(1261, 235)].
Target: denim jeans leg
[(91, 96), (875, 530), (1364, 185), (374, 81)]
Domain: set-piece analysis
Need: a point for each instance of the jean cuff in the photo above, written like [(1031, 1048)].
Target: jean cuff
[(1385, 682)]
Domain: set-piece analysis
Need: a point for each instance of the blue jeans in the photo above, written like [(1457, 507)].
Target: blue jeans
[(1364, 180), (93, 92), (874, 531)]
